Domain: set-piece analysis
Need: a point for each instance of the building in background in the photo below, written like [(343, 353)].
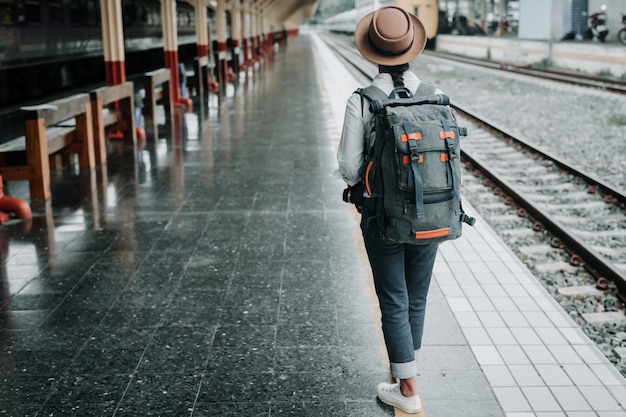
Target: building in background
[(528, 19), (566, 19)]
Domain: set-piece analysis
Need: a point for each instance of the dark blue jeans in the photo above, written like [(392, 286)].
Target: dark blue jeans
[(402, 274)]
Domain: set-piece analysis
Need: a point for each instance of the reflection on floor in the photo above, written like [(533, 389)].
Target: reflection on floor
[(196, 275)]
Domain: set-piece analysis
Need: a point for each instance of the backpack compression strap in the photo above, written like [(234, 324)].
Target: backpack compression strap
[(450, 135), (414, 155)]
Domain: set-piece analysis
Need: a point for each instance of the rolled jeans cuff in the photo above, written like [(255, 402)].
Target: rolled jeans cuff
[(403, 370)]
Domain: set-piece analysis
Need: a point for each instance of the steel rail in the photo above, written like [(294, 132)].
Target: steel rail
[(607, 189), (599, 266), (595, 263), (584, 80)]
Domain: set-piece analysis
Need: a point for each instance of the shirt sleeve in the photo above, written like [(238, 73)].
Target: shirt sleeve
[(350, 153)]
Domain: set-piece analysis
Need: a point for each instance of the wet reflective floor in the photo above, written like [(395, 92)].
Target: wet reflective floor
[(217, 272), (209, 273)]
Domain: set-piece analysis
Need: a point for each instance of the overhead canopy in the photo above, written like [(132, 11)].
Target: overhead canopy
[(288, 14)]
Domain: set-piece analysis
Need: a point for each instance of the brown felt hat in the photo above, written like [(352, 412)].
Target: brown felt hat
[(390, 36)]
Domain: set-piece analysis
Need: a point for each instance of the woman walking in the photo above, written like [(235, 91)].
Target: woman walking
[(391, 38)]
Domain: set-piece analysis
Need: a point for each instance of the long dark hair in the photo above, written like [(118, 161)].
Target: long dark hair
[(396, 72)]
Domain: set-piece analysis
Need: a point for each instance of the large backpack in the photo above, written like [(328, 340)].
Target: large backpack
[(413, 171)]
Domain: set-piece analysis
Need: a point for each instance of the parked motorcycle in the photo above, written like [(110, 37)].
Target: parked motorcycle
[(621, 35), (597, 29)]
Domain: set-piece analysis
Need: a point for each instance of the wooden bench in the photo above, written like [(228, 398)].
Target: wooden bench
[(158, 90), (109, 116), (199, 81), (60, 127)]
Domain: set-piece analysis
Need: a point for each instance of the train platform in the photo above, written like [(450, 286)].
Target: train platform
[(218, 272), (593, 58)]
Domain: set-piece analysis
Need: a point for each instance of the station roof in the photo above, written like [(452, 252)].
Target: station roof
[(290, 13)]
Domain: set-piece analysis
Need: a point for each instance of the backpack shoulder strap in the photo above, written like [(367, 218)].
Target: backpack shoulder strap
[(371, 93), (374, 93)]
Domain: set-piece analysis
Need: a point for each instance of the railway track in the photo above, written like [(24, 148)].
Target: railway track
[(544, 207), (583, 212), (569, 77)]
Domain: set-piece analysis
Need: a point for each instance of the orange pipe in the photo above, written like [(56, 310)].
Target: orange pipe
[(13, 205)]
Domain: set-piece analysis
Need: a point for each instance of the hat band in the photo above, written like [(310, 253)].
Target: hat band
[(389, 53)]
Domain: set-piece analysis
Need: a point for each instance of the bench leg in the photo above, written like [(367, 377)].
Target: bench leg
[(84, 134), (99, 135), (57, 161), (149, 117), (130, 134), (37, 159), (168, 102)]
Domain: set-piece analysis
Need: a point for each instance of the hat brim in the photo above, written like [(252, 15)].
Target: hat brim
[(363, 44)]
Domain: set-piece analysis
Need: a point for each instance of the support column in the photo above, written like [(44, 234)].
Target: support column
[(483, 15), (221, 61), (471, 13), (114, 61), (235, 34), (170, 50), (113, 41), (254, 40), (266, 40), (503, 7), (203, 75), (246, 30), (202, 32)]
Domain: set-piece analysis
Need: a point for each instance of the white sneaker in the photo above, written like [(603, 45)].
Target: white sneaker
[(390, 394)]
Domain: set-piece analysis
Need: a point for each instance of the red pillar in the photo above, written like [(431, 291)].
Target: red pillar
[(170, 51), (113, 41), (114, 61), (222, 63)]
